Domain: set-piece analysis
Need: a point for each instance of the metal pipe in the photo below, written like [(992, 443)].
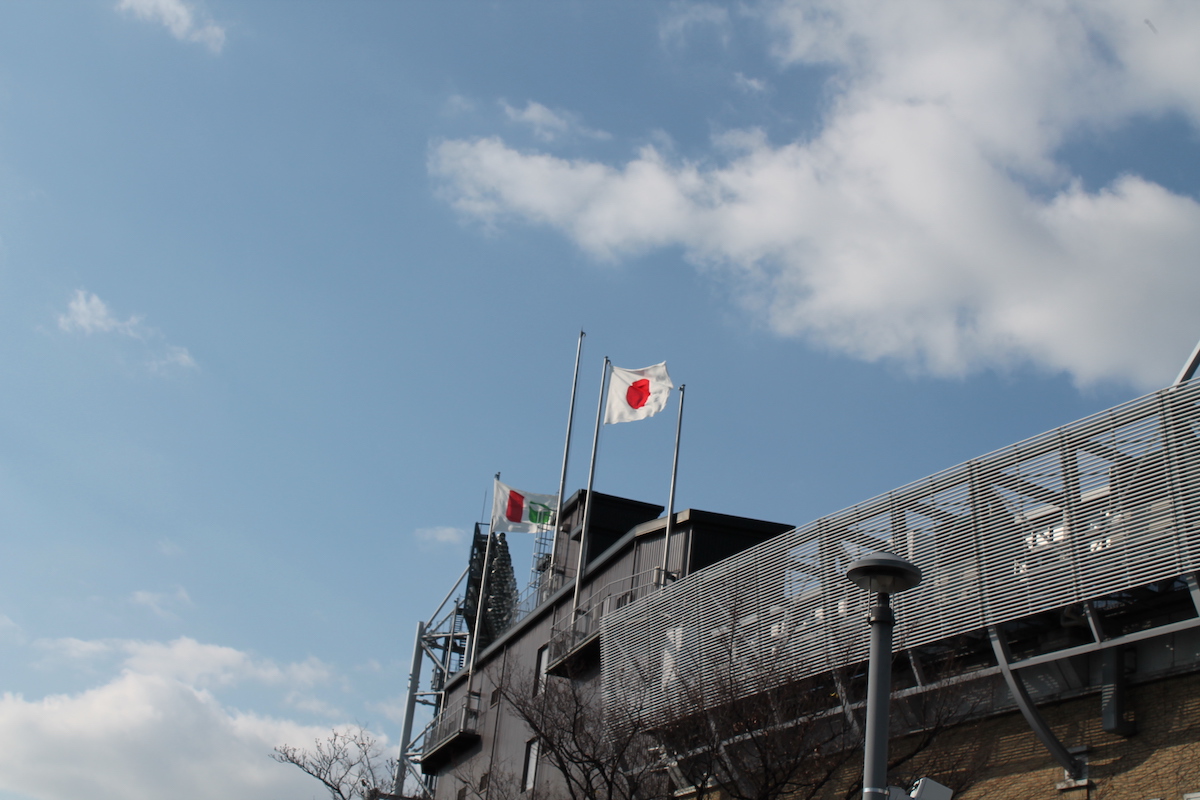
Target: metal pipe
[(671, 495), (433, 618), (1020, 695), (587, 502), (479, 616), (879, 689), (562, 479), (414, 687), (1189, 367)]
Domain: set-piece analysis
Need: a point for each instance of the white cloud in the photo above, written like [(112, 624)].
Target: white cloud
[(88, 314), (210, 665), (163, 604), (10, 631), (549, 125), (72, 649), (684, 18), (749, 85), (158, 728), (168, 547), (458, 104), (394, 709), (173, 356), (930, 220), (189, 661), (441, 535), (303, 701), (144, 736), (180, 18)]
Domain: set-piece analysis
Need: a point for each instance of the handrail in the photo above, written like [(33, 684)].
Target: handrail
[(566, 634), (461, 716)]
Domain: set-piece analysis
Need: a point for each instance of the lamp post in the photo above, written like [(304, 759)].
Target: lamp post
[(883, 574)]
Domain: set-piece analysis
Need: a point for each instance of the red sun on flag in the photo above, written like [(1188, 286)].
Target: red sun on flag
[(638, 393)]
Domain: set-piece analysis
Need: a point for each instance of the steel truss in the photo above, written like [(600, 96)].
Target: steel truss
[(442, 640)]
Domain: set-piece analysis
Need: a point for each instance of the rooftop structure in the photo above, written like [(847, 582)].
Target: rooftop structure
[(1057, 568), (553, 635)]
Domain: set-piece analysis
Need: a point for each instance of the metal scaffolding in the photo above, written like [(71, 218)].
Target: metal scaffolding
[(442, 641)]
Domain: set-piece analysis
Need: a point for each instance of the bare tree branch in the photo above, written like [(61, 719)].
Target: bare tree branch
[(601, 754), (349, 763)]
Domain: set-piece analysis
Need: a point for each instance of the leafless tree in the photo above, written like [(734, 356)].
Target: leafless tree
[(926, 716), (757, 733), (349, 763), (601, 752), (928, 740), (498, 783), (743, 719)]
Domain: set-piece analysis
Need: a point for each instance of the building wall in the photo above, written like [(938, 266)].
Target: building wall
[(1000, 758), (512, 660), (1003, 760)]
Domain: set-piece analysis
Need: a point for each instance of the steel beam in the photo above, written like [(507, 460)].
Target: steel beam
[(1016, 686)]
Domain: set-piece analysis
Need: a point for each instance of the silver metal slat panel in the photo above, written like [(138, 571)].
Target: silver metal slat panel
[(1105, 504)]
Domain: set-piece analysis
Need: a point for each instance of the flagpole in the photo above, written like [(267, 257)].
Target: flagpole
[(487, 555), (562, 480), (587, 505), (671, 497)]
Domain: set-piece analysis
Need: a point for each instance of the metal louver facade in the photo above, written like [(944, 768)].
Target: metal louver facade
[(1103, 505)]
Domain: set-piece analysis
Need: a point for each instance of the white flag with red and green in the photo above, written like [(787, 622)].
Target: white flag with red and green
[(637, 393), (514, 511)]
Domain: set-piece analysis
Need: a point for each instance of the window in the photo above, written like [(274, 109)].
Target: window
[(483, 781), (529, 773), (539, 679), (496, 695)]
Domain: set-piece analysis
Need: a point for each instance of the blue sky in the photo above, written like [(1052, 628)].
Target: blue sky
[(283, 284)]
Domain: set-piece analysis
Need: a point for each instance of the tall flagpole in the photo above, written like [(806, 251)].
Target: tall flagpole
[(587, 505), (482, 599), (562, 480), (671, 498), (487, 555)]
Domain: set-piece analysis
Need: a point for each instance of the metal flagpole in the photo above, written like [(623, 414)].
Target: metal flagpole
[(482, 599), (562, 480), (587, 505), (671, 498), (487, 554)]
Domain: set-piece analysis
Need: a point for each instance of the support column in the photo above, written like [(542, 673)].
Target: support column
[(879, 690), (1016, 686)]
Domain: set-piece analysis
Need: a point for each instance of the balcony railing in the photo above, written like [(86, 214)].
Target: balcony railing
[(457, 725), (570, 635)]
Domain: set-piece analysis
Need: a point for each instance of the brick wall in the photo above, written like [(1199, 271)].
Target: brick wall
[(1001, 759)]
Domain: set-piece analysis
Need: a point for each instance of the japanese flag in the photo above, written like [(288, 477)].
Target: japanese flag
[(637, 393), (515, 511)]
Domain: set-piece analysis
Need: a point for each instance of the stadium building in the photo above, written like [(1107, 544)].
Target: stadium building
[(1052, 649)]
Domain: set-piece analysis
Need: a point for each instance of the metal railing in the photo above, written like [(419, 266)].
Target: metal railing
[(1103, 505), (568, 634), (459, 717)]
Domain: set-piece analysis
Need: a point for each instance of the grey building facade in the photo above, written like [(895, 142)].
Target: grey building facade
[(1061, 594)]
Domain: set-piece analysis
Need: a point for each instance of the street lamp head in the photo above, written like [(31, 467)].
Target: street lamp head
[(884, 572)]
